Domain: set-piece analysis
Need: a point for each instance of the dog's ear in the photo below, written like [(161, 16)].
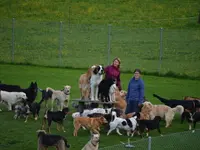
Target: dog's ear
[(96, 70)]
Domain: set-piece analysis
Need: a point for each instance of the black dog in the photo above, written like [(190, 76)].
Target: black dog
[(148, 125), (31, 91), (192, 118), (189, 105), (57, 116), (46, 95), (49, 140)]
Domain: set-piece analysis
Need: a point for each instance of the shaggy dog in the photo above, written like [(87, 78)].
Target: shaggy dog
[(84, 83), (93, 143), (61, 96), (119, 123), (191, 118), (189, 105), (57, 117), (93, 124), (148, 125), (164, 111), (96, 78), (21, 110), (31, 91), (11, 98), (50, 140)]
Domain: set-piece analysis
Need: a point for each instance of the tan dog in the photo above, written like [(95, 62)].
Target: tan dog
[(164, 111), (93, 124), (93, 144), (120, 100), (84, 83)]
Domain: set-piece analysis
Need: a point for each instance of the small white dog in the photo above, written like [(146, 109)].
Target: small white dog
[(164, 111), (11, 98), (60, 96), (93, 144), (96, 78), (119, 123)]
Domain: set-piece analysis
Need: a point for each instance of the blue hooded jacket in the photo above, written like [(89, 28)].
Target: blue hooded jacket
[(135, 91)]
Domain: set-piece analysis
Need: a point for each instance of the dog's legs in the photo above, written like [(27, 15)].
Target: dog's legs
[(49, 124), (92, 92), (190, 127), (58, 126), (76, 128), (96, 93), (194, 126), (95, 131), (63, 128), (9, 107), (26, 119), (52, 102), (44, 123), (117, 130)]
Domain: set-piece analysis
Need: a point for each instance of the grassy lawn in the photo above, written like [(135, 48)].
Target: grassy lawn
[(15, 134)]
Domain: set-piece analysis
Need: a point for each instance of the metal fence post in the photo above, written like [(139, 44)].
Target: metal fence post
[(161, 50), (149, 143), (60, 45), (13, 40), (109, 40)]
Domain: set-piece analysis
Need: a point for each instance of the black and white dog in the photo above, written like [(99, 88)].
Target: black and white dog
[(192, 118), (96, 78), (119, 123)]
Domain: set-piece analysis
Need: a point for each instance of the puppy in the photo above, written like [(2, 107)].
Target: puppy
[(192, 118), (50, 140), (21, 110), (57, 117), (11, 98), (96, 78), (93, 124), (61, 96), (148, 125), (119, 123), (84, 83), (93, 144), (164, 111)]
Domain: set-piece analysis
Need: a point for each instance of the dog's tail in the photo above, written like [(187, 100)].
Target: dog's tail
[(49, 89), (113, 115), (66, 143), (178, 109), (163, 100)]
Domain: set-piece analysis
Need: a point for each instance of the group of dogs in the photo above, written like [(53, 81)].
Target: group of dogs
[(93, 87)]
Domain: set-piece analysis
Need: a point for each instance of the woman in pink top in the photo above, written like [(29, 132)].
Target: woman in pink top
[(113, 71)]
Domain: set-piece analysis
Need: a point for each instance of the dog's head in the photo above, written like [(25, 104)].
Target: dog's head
[(102, 120), (147, 107), (67, 89), (22, 96), (123, 93), (65, 110), (41, 132), (98, 70), (95, 138)]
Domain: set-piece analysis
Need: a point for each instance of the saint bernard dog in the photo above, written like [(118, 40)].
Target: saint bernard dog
[(96, 78)]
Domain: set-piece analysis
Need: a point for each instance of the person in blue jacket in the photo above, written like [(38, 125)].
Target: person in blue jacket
[(135, 93)]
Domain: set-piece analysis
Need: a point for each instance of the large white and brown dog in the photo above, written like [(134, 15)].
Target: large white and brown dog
[(84, 83), (61, 96), (164, 111), (11, 98), (96, 78)]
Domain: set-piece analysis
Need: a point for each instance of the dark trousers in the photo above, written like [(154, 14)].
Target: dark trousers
[(132, 106)]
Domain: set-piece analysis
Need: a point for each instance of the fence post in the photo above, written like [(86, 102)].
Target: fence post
[(60, 45), (149, 143), (69, 18), (13, 40), (161, 50), (109, 40)]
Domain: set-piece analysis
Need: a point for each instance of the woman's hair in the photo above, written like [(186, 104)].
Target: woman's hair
[(137, 70), (118, 59)]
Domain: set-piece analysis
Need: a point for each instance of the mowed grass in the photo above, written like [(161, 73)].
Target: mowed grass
[(15, 134)]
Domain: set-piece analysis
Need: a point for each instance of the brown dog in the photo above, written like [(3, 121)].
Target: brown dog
[(120, 100), (93, 124), (84, 83)]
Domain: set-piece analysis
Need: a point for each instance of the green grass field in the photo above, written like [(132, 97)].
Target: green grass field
[(15, 134)]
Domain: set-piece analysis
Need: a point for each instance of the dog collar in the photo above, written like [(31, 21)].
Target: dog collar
[(93, 144)]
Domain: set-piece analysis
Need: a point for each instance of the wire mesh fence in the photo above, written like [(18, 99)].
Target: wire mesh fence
[(176, 141), (81, 45)]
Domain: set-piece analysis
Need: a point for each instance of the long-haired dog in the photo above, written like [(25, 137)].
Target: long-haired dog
[(84, 83), (49, 140), (57, 116), (192, 118), (164, 111), (120, 123), (93, 124), (96, 78), (61, 96), (93, 143)]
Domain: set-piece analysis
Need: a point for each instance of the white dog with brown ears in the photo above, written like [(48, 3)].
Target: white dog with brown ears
[(61, 96), (96, 78), (92, 144), (164, 111)]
